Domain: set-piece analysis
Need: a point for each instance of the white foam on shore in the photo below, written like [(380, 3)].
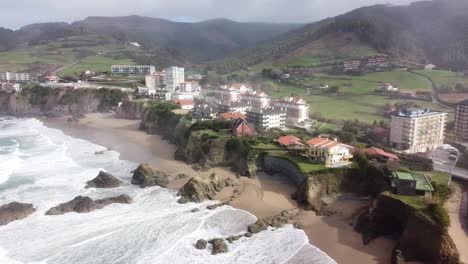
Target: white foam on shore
[(154, 229)]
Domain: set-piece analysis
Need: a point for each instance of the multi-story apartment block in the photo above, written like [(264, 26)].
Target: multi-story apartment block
[(190, 87), (155, 80), (15, 77), (417, 130), (297, 109), (10, 87), (174, 77), (266, 118), (234, 107), (232, 93), (256, 99), (461, 121), (329, 152), (133, 70)]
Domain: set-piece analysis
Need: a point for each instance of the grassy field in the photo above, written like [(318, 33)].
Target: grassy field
[(93, 52), (304, 165), (445, 78), (437, 176)]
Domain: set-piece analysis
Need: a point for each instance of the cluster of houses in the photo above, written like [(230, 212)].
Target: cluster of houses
[(373, 63), (11, 81), (391, 89)]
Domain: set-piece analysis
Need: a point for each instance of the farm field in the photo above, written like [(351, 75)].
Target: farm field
[(95, 63), (445, 78)]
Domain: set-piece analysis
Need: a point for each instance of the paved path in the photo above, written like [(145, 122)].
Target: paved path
[(435, 91)]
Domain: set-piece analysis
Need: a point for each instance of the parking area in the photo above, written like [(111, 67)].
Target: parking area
[(445, 155)]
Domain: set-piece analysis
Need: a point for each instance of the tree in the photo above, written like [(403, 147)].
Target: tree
[(334, 89), (363, 164)]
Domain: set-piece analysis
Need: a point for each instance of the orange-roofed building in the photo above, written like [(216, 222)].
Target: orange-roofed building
[(232, 116), (379, 154), (329, 152), (240, 128), (185, 104), (290, 142)]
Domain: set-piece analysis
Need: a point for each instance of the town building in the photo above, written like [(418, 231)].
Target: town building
[(231, 116), (51, 78), (155, 80), (190, 87), (10, 87), (461, 121), (132, 70), (256, 99), (146, 92), (291, 142), (388, 87), (266, 118), (353, 65), (410, 184), (15, 77), (232, 93), (297, 109), (429, 67), (241, 128), (379, 154), (329, 152), (232, 107), (185, 104), (417, 130), (408, 93), (204, 112), (174, 77), (163, 95)]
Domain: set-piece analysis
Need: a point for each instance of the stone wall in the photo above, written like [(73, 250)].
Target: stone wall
[(285, 167)]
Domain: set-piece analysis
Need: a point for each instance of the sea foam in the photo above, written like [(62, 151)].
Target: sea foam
[(46, 167)]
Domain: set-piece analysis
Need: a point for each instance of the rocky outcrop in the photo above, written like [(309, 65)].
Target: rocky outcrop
[(83, 204), (420, 238), (14, 211), (201, 244), (285, 167), (219, 246), (276, 221), (103, 180), (130, 110), (147, 176), (198, 189), (315, 193)]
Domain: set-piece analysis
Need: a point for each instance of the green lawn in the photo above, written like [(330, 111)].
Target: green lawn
[(303, 164), (445, 78), (95, 63), (416, 202), (440, 177)]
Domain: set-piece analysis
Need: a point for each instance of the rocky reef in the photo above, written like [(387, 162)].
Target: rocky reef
[(83, 204), (103, 180), (199, 189), (419, 237), (276, 221), (147, 176), (14, 211)]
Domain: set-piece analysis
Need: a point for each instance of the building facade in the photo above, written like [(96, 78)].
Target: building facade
[(174, 77), (15, 77), (417, 130), (297, 109), (10, 87), (232, 93), (155, 80), (234, 107), (461, 121), (266, 118), (256, 99), (133, 70), (329, 152), (190, 87)]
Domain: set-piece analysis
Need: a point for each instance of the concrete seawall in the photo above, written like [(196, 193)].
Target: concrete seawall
[(285, 167)]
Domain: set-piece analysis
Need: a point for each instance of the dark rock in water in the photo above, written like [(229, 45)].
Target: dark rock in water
[(147, 176), (14, 211), (212, 207), (231, 239), (248, 234), (218, 246), (201, 244), (198, 189), (83, 204), (103, 180), (273, 221), (195, 210)]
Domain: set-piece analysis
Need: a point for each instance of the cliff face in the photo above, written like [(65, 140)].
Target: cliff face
[(130, 110), (40, 101), (420, 238)]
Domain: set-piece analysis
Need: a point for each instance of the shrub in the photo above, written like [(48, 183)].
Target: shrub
[(439, 215)]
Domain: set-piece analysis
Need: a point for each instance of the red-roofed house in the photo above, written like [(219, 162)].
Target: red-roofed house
[(379, 154), (297, 109), (232, 93), (329, 152), (52, 78), (240, 128), (232, 116), (290, 142), (256, 99), (184, 104)]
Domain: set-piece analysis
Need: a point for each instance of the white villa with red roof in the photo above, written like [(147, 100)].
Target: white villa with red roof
[(329, 152), (232, 93), (297, 109)]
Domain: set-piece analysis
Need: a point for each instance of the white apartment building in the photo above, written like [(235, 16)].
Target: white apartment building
[(256, 99), (232, 93), (297, 109), (15, 77), (133, 70), (10, 87), (234, 107), (266, 118), (146, 91), (174, 77), (155, 80), (417, 130), (190, 87)]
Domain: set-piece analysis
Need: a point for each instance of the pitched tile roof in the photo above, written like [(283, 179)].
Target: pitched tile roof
[(183, 102), (377, 151), (325, 143), (230, 116), (289, 140)]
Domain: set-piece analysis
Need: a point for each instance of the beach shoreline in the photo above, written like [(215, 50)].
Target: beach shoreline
[(262, 196)]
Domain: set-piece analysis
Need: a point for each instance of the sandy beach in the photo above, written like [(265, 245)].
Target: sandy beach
[(263, 196), (458, 220)]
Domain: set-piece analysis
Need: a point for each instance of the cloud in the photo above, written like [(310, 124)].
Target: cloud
[(14, 14)]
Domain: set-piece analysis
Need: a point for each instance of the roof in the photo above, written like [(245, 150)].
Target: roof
[(292, 100), (229, 116), (326, 143), (289, 140), (464, 102), (417, 112), (183, 102), (377, 151), (422, 183)]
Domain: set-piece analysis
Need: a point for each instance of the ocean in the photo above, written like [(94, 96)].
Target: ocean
[(45, 167)]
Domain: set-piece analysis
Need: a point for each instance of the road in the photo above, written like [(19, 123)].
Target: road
[(435, 92), (456, 172), (443, 163), (56, 71)]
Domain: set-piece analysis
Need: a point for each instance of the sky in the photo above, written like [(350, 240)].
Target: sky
[(17, 13)]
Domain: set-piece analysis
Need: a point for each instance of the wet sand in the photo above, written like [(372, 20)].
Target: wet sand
[(264, 196), (458, 213)]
